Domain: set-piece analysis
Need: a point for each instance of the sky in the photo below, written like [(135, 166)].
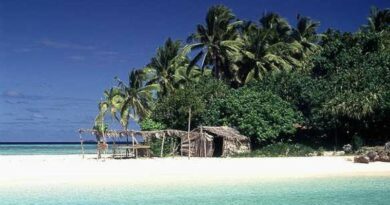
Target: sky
[(58, 56)]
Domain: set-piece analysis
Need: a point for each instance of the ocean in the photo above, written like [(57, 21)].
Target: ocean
[(45, 148), (326, 191), (298, 191)]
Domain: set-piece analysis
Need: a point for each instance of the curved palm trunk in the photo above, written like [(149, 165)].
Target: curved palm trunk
[(216, 67)]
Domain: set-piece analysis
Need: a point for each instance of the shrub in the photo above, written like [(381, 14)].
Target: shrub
[(169, 142), (320, 151), (260, 115), (172, 110), (357, 142), (150, 125), (155, 144)]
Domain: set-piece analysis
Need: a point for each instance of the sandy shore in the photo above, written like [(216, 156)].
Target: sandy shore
[(72, 169)]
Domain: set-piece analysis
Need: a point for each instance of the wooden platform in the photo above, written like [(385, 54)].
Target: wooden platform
[(129, 151)]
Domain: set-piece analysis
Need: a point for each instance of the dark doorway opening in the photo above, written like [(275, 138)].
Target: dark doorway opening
[(218, 146)]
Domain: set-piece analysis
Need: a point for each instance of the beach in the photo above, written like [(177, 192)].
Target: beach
[(74, 170)]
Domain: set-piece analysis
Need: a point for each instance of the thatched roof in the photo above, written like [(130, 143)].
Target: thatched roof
[(224, 132), (145, 134)]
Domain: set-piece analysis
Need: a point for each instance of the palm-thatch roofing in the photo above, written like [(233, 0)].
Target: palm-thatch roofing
[(224, 132), (145, 134)]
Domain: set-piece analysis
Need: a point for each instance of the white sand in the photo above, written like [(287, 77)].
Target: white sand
[(72, 169)]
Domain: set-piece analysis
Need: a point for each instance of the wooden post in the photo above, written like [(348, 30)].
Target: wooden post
[(173, 147), (188, 133), (204, 141), (162, 146), (181, 145), (335, 142), (103, 146), (127, 144), (82, 144), (132, 141)]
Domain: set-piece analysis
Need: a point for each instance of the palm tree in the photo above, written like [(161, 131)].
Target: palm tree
[(193, 74), (378, 20), (266, 48), (113, 98), (170, 68), (163, 66), (99, 125), (217, 41), (276, 27), (136, 97), (305, 33)]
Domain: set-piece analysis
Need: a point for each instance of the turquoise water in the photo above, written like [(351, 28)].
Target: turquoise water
[(352, 190), (329, 191), (45, 149)]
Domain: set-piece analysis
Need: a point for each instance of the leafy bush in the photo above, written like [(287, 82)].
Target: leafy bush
[(357, 142), (172, 110), (260, 115), (280, 150), (169, 143), (150, 125), (155, 144), (320, 151)]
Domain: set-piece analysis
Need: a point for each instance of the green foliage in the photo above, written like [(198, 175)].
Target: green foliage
[(155, 143), (261, 115), (281, 150), (169, 144), (378, 20), (354, 69), (274, 46), (150, 125), (137, 97), (270, 80), (172, 110), (297, 88), (217, 42), (357, 142), (100, 128)]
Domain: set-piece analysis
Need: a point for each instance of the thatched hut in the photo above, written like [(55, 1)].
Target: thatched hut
[(204, 141), (216, 142)]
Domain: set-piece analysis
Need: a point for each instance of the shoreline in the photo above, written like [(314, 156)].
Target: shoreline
[(73, 170)]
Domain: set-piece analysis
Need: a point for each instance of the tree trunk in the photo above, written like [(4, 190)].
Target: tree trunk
[(216, 67), (162, 146)]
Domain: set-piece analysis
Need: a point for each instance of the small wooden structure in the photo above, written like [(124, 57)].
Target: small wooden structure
[(201, 142), (130, 149), (220, 141)]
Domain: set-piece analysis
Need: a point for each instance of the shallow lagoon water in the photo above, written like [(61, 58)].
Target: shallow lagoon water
[(335, 190), (302, 191), (45, 149)]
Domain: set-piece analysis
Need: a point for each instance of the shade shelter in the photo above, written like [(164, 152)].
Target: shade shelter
[(201, 142), (219, 141)]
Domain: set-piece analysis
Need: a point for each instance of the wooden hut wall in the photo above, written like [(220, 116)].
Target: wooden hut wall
[(200, 146), (204, 147)]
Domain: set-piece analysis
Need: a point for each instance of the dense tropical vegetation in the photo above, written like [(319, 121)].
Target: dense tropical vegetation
[(272, 81)]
